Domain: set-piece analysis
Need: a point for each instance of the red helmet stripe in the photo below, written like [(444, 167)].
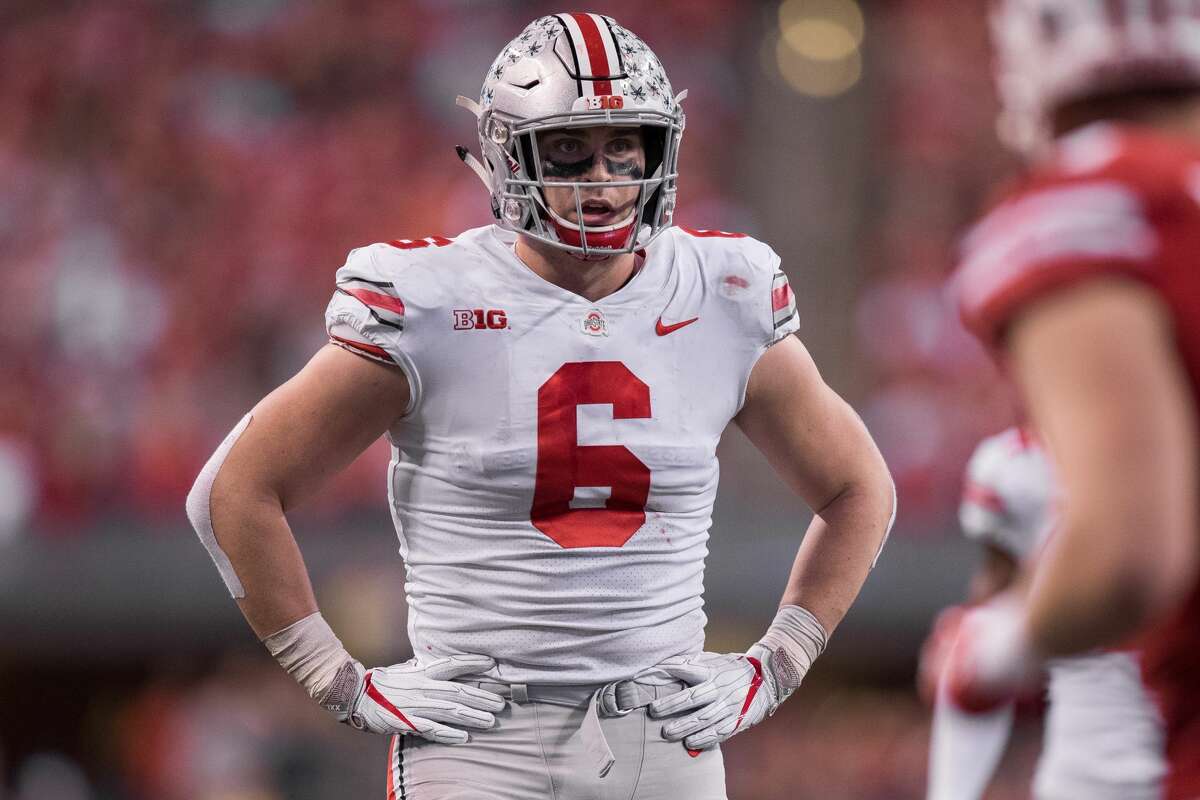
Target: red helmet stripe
[(598, 44)]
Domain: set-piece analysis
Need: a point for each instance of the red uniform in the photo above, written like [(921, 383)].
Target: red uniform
[(1112, 201)]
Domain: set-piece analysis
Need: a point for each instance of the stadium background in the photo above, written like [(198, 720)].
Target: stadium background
[(180, 180)]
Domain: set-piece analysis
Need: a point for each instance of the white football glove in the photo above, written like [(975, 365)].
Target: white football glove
[(728, 693), (731, 693), (991, 661), (416, 698)]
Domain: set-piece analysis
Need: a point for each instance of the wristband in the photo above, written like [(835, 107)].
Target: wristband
[(312, 654), (795, 639)]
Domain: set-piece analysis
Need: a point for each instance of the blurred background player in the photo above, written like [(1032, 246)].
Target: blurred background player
[(555, 586), (1103, 734), (1084, 280)]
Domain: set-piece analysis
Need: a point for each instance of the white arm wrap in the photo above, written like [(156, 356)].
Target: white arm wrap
[(312, 654), (199, 510), (795, 638), (888, 531)]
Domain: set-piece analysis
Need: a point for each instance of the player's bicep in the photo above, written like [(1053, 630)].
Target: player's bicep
[(1101, 375), (813, 439), (314, 425)]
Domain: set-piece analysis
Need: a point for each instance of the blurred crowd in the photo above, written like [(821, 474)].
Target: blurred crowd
[(934, 392), (182, 178)]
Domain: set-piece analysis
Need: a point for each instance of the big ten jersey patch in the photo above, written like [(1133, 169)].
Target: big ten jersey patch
[(553, 479)]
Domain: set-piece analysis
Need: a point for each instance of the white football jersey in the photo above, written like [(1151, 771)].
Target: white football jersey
[(1104, 734), (553, 479)]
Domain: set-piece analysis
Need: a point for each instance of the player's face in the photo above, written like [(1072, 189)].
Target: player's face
[(595, 155)]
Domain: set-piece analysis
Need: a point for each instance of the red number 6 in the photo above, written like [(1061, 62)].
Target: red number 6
[(562, 464)]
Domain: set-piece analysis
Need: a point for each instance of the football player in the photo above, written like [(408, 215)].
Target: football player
[(1103, 735), (1084, 280), (554, 387)]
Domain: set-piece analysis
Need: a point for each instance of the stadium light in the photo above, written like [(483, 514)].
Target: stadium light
[(818, 47)]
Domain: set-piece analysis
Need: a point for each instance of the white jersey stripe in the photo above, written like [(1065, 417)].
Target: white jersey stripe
[(1098, 220)]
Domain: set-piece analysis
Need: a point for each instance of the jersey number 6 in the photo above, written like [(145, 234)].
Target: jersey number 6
[(563, 465)]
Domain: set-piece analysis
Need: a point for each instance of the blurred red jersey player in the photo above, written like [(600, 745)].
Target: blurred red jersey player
[(1085, 278)]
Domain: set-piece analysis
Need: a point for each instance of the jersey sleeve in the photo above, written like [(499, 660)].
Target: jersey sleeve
[(775, 303), (770, 316), (749, 273), (1049, 237), (366, 314), (785, 318)]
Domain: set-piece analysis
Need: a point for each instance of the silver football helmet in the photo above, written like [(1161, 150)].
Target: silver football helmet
[(572, 71), (1053, 52)]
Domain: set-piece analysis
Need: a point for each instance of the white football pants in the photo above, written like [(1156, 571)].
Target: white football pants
[(560, 743)]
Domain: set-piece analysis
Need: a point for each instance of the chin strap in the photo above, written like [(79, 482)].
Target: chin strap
[(469, 105), (476, 166), (464, 154), (611, 237)]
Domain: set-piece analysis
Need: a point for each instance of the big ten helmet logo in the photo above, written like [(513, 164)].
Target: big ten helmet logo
[(604, 101), (479, 319)]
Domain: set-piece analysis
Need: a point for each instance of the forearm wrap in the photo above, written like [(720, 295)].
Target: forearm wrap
[(795, 639), (312, 654)]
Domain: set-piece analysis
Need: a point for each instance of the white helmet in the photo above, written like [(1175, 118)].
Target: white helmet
[(569, 71), (1053, 52)]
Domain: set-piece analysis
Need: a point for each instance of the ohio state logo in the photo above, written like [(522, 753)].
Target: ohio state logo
[(594, 324), (479, 319)]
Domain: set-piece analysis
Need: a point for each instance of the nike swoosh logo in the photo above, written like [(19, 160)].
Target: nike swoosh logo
[(663, 330)]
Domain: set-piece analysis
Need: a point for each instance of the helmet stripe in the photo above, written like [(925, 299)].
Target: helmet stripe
[(594, 46), (583, 55), (612, 53)]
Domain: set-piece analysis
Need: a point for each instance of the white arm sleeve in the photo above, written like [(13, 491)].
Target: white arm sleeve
[(891, 523), (199, 510), (965, 748)]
